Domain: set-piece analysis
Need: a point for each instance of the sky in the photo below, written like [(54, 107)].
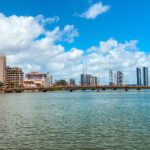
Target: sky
[(64, 36)]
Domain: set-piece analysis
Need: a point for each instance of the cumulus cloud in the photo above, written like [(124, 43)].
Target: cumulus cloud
[(20, 32), (95, 10), (70, 32), (116, 56), (28, 44), (104, 47)]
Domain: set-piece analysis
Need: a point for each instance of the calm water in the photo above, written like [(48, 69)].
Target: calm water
[(81, 120)]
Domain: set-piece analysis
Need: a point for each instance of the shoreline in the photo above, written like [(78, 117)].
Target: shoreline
[(72, 90)]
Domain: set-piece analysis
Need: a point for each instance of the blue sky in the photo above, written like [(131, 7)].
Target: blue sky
[(124, 20)]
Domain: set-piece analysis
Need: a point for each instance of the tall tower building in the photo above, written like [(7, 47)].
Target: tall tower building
[(83, 79), (138, 74), (115, 78), (145, 76), (3, 68), (87, 79), (119, 78), (96, 80), (111, 77)]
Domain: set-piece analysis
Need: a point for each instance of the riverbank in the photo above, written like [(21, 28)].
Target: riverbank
[(72, 88), (30, 91)]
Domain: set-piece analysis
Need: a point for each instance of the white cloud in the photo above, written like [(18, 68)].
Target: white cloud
[(20, 33), (116, 56), (43, 20), (70, 32), (28, 44), (104, 47), (95, 10)]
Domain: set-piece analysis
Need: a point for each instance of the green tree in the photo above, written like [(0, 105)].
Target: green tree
[(1, 84), (11, 84), (61, 82)]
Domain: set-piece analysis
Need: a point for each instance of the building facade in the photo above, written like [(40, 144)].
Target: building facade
[(119, 78), (72, 82), (139, 77), (14, 76), (3, 68), (111, 78), (49, 80), (145, 76), (87, 79), (40, 79), (115, 78), (83, 79), (97, 82)]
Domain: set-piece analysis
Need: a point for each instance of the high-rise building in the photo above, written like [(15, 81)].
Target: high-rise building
[(72, 81), (92, 80), (111, 82), (138, 74), (115, 78), (49, 80), (83, 79), (145, 76), (3, 68), (15, 76), (96, 81), (119, 78), (87, 79)]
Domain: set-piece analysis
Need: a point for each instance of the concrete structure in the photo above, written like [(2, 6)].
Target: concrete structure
[(39, 79), (3, 68), (14, 75), (138, 74), (29, 84), (87, 79), (83, 79), (97, 81), (115, 78), (119, 78), (145, 76), (49, 80), (111, 81), (72, 82), (71, 88), (94, 81)]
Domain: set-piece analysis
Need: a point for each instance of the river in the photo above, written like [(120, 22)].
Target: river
[(78, 120)]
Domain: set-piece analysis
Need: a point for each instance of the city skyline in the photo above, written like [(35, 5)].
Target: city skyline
[(102, 34), (36, 78)]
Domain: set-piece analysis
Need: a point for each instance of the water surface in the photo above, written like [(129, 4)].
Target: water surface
[(81, 120)]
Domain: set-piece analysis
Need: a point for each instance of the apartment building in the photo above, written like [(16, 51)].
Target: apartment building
[(14, 75)]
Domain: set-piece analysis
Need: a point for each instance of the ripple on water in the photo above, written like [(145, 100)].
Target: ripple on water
[(78, 120)]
